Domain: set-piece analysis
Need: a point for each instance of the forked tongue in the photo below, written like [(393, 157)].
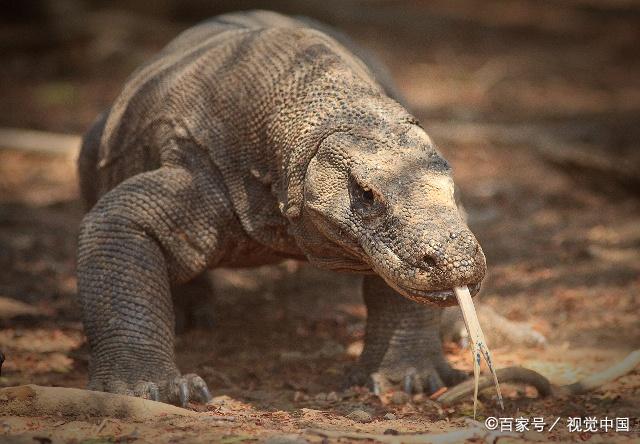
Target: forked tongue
[(478, 343)]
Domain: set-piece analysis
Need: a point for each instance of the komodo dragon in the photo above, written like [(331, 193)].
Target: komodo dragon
[(250, 138)]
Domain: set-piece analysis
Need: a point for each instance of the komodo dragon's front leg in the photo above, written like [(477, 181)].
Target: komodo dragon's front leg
[(153, 230), (402, 342)]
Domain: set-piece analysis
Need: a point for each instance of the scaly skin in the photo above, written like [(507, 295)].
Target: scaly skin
[(251, 138)]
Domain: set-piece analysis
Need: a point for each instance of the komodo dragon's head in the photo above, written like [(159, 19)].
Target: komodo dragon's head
[(387, 197)]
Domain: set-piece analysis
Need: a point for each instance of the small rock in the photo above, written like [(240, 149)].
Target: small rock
[(400, 398), (390, 416), (359, 416), (321, 397)]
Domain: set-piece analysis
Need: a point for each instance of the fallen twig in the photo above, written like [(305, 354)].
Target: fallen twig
[(29, 400), (541, 383)]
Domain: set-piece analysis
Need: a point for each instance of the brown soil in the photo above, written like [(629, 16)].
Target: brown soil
[(489, 83)]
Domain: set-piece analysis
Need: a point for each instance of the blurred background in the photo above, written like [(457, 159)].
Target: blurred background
[(536, 103)]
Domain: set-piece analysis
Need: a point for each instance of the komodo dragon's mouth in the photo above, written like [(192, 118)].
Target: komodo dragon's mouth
[(442, 298), (438, 297)]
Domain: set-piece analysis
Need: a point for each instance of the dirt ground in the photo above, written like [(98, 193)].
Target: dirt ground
[(496, 85)]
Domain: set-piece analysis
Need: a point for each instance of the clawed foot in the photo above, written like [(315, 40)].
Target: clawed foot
[(428, 379), (177, 390)]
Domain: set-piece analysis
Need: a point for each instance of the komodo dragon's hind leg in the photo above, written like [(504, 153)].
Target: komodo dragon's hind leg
[(153, 230), (402, 342)]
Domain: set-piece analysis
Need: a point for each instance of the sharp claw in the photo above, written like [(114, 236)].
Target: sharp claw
[(379, 383), (146, 390), (183, 393), (205, 395), (199, 389), (408, 383), (376, 388), (154, 392)]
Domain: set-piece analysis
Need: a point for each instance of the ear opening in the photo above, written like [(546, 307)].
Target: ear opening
[(294, 172)]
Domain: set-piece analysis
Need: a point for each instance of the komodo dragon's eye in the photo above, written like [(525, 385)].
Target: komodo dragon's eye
[(364, 200)]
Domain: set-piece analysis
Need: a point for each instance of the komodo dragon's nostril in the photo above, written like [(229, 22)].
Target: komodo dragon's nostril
[(429, 261)]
